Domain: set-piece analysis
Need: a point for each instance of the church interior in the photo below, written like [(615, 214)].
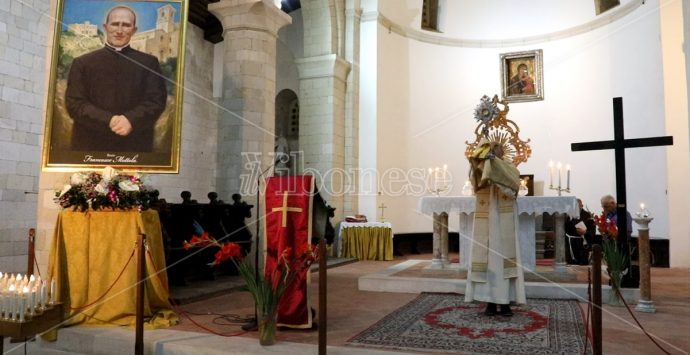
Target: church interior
[(375, 106)]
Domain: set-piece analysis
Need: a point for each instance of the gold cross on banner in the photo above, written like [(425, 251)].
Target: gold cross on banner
[(285, 209)]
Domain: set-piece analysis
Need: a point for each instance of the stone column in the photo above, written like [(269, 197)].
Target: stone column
[(440, 248), (559, 242), (465, 235), (645, 304), (246, 128), (322, 124)]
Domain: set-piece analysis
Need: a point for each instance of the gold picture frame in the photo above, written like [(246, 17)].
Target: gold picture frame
[(92, 84), (522, 76)]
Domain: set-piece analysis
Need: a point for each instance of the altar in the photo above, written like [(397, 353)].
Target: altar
[(528, 208), (92, 259)]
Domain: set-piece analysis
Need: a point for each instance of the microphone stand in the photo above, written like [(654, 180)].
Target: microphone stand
[(253, 324)]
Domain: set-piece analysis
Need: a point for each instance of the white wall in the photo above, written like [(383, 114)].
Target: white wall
[(427, 93), (676, 102)]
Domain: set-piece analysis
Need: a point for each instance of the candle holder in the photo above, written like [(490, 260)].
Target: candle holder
[(559, 189), (467, 189), (439, 179), (558, 170)]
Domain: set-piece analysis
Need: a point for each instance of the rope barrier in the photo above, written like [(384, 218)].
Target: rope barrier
[(179, 309), (38, 268), (109, 288), (618, 291)]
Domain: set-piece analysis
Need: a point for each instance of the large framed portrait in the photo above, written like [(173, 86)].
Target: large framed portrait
[(115, 91), (522, 76)]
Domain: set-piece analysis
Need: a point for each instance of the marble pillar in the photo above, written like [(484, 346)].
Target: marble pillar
[(645, 303)]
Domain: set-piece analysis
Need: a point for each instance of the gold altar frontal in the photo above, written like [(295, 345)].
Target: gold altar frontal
[(367, 242), (91, 250)]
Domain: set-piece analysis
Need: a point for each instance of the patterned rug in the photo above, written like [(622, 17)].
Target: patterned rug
[(443, 322)]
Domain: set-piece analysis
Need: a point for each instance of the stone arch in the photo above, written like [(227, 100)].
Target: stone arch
[(324, 27), (287, 128)]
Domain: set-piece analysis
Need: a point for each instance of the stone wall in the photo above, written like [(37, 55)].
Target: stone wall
[(24, 29)]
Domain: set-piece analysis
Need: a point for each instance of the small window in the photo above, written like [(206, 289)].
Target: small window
[(430, 15)]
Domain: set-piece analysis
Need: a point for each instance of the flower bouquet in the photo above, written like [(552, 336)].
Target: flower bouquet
[(109, 189), (616, 259), (267, 289)]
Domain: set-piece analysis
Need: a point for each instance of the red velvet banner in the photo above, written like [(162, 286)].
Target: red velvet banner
[(287, 207)]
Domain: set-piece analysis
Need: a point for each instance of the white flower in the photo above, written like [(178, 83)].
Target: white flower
[(126, 185), (109, 173), (102, 187), (65, 188), (78, 178)]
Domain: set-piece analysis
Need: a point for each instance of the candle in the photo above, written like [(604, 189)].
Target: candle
[(559, 166), (2, 304), (567, 168), (32, 303), (642, 207), (44, 294), (550, 173), (53, 288), (11, 307), (445, 172), (22, 308)]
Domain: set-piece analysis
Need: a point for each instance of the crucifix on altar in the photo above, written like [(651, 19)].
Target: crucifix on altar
[(382, 207), (619, 144)]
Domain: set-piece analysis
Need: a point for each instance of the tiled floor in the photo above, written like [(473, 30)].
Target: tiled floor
[(350, 311)]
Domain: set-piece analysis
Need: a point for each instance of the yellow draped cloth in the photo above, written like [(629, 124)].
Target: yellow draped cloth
[(89, 251), (368, 243)]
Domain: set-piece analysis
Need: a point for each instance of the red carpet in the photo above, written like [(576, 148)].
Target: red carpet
[(545, 262), (443, 322)]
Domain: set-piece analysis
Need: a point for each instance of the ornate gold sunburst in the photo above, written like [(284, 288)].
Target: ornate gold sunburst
[(504, 133)]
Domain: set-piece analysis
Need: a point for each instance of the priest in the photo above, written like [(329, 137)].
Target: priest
[(494, 275)]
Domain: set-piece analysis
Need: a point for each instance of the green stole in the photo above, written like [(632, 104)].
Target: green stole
[(504, 179)]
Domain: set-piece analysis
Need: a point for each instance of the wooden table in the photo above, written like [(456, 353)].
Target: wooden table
[(50, 318)]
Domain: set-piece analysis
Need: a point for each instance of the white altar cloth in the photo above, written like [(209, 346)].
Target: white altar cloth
[(528, 208)]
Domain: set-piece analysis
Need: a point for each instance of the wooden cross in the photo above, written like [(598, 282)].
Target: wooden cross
[(619, 144), (382, 207), (285, 209)]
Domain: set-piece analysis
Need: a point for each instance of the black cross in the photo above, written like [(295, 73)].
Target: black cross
[(618, 144)]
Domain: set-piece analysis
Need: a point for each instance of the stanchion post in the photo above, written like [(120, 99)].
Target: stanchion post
[(141, 275), (32, 252), (645, 303), (596, 299), (323, 288)]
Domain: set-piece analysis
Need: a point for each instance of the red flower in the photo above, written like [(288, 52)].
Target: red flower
[(227, 251), (606, 226)]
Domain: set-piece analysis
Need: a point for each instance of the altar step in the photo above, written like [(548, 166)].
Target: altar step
[(386, 281), (111, 340)]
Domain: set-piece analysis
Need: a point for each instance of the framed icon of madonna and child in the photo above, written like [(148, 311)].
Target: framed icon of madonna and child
[(115, 90), (522, 76)]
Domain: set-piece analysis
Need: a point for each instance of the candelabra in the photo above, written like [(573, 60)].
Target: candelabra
[(559, 168), (439, 179)]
